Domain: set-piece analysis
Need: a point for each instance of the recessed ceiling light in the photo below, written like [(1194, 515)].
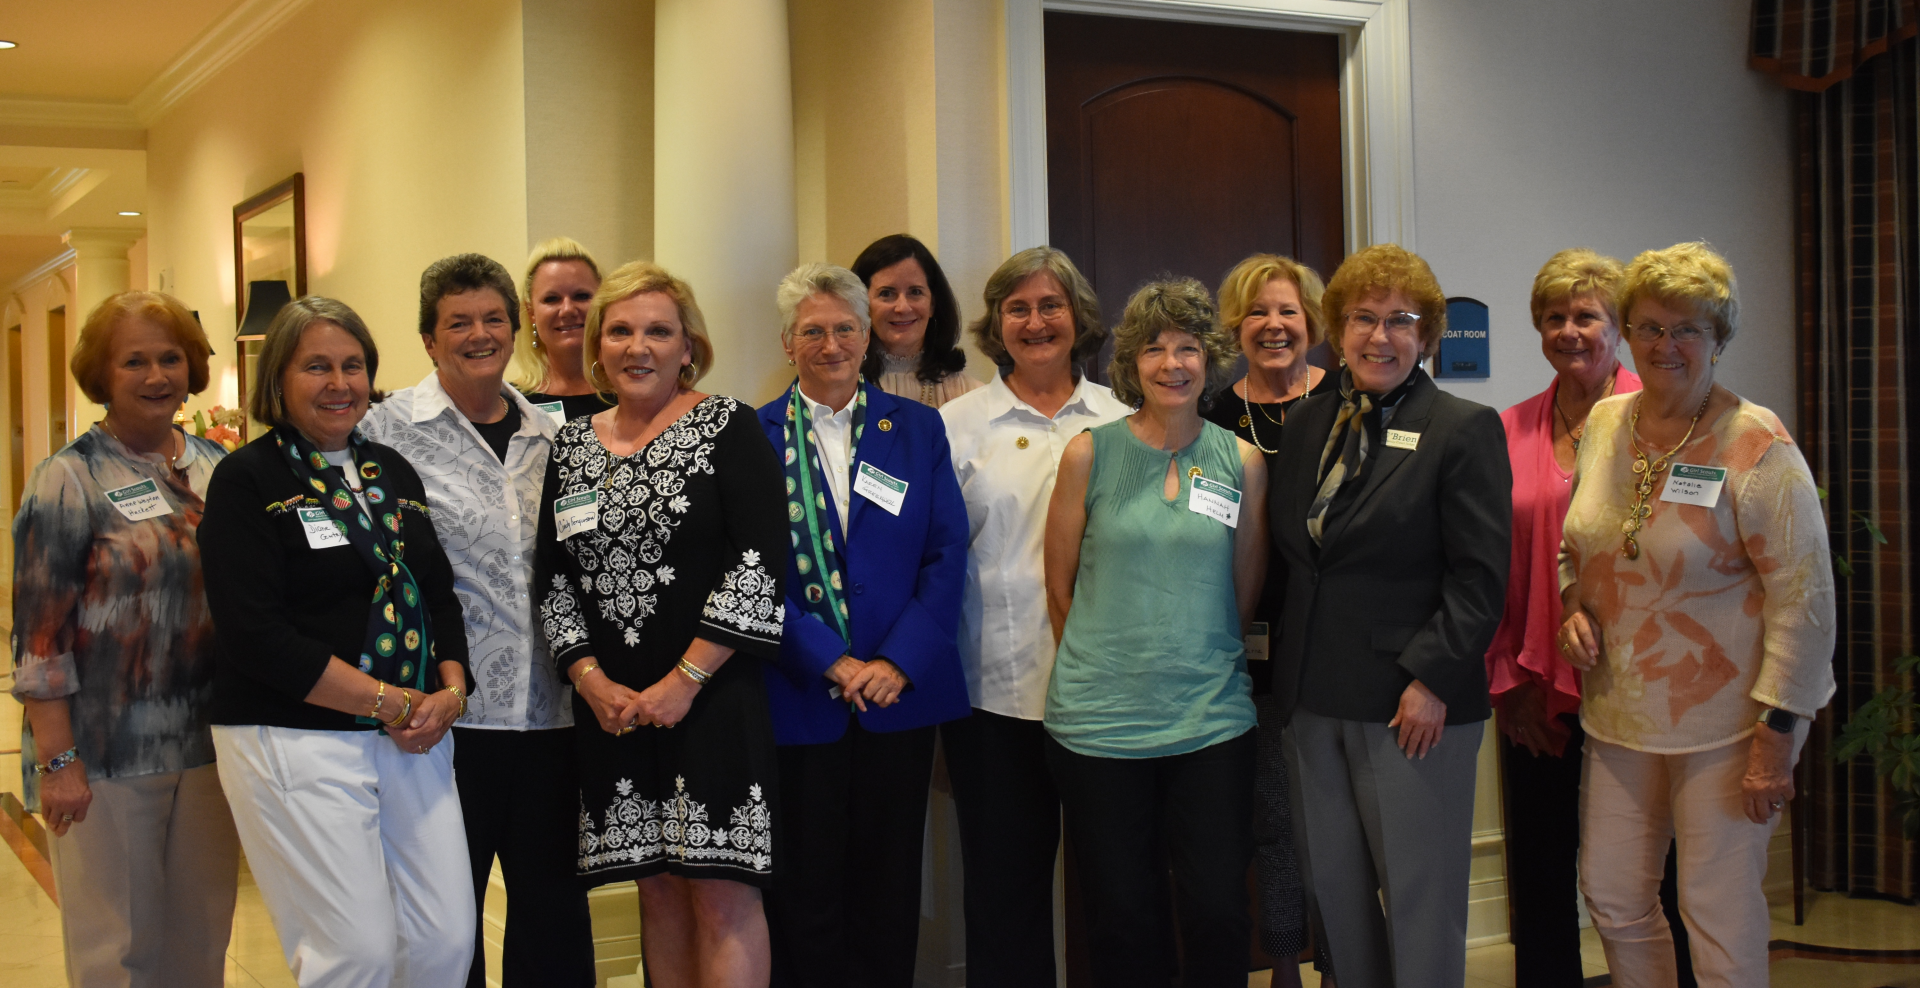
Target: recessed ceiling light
[(8, 44), (129, 212)]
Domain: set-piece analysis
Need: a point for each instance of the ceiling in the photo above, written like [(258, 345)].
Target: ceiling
[(96, 50)]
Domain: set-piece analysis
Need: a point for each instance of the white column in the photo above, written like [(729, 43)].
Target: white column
[(100, 270), (723, 177)]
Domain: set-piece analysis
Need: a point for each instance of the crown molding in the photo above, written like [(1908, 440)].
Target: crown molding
[(51, 265), (66, 113), (231, 36)]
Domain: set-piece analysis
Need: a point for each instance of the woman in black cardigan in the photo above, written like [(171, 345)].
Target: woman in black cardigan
[(1391, 506), (342, 663)]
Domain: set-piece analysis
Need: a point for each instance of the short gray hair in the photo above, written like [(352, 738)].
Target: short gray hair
[(816, 278)]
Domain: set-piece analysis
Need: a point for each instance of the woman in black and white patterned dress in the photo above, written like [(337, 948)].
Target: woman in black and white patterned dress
[(662, 543)]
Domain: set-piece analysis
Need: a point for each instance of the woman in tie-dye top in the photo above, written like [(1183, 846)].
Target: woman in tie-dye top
[(1699, 600), (113, 658)]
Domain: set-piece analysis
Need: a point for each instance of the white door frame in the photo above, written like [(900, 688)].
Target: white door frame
[(1376, 100)]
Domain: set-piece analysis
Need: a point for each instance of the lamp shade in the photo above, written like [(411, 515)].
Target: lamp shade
[(264, 301)]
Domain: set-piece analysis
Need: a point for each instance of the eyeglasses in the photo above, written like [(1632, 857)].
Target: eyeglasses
[(1397, 323), (815, 335), (1686, 332), (1019, 311)]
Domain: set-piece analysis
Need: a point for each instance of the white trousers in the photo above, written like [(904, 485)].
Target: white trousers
[(1631, 804), (147, 883), (359, 851)]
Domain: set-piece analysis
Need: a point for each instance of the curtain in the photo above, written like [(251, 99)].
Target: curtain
[(1856, 124)]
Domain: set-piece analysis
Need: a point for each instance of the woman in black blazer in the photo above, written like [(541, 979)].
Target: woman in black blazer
[(1390, 505), (341, 663)]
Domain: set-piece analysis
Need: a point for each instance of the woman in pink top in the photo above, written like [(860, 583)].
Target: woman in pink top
[(1536, 696), (1698, 595)]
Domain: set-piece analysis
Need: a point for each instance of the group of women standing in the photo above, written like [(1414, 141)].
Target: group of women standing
[(1206, 625)]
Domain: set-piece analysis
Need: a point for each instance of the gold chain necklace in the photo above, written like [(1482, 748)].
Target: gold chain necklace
[(1572, 433), (1246, 420), (1644, 485), (173, 459)]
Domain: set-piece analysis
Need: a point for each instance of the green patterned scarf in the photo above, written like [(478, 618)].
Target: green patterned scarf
[(813, 547), (399, 640)]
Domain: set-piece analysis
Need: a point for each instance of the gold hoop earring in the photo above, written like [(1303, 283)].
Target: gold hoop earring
[(593, 369)]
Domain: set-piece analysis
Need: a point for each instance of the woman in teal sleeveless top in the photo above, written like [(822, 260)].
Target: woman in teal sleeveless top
[(1153, 568)]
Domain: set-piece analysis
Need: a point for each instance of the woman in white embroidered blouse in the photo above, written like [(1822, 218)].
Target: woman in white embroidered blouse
[(1699, 601), (916, 323)]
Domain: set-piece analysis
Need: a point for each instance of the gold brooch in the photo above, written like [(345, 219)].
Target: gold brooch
[(886, 425), (1020, 443), (1192, 472), (1245, 421)]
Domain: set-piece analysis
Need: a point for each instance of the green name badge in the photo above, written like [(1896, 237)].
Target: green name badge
[(1695, 485), (576, 513), (139, 501), (881, 488), (1215, 500)]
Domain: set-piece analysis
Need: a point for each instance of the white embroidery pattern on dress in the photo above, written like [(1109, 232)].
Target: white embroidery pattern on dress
[(745, 600), (640, 831), (639, 503)]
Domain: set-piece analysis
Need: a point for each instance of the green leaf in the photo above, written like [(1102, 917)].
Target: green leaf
[(1841, 566), (1822, 492), (1906, 664), (1872, 529), (200, 424)]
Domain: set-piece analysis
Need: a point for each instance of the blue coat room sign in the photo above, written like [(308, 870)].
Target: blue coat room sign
[(1464, 351)]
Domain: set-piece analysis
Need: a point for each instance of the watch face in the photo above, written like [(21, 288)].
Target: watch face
[(1781, 720)]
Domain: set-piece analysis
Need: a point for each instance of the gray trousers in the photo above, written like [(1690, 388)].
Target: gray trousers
[(1385, 843)]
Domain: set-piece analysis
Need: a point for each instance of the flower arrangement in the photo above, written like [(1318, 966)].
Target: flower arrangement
[(220, 424)]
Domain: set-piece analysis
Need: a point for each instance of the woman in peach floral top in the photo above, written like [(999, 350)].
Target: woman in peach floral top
[(1699, 602)]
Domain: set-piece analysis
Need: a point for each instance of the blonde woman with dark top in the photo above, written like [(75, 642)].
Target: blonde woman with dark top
[(557, 292)]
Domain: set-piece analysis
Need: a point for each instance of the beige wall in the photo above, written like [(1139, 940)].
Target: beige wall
[(406, 117), (589, 113)]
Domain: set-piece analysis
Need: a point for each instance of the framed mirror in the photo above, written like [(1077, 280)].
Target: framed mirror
[(269, 267)]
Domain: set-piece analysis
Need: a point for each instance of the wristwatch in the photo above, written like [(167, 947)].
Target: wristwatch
[(1779, 720)]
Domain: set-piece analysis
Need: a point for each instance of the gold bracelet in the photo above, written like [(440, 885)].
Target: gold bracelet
[(698, 675), (379, 700), (457, 691), (591, 666), (405, 713)]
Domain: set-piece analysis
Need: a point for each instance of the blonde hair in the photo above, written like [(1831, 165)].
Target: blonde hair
[(1386, 268), (1249, 278), (1178, 304), (1082, 301), (94, 351), (283, 335), (1574, 272), (534, 365), (1690, 273), (638, 278)]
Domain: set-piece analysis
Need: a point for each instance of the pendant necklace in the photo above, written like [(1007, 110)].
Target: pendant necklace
[(1572, 433), (1643, 485), (1246, 419)]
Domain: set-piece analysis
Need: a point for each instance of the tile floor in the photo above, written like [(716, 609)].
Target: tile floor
[(30, 952)]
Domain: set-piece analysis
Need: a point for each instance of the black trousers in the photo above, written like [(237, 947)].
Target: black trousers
[(844, 909), (1009, 837), (521, 801), (1543, 850), (1199, 807)]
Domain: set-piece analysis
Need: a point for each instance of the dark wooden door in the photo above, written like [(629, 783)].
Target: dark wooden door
[(1182, 148)]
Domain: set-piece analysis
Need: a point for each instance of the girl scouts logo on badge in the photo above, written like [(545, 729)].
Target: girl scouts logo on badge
[(392, 523), (341, 500), (384, 645), (413, 641), (317, 485), (408, 592), (366, 662), (406, 670), (814, 594), (319, 462), (370, 470), (388, 613), (375, 495)]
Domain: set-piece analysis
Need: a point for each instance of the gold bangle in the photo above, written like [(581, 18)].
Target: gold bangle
[(379, 700), (458, 692), (591, 666), (698, 675), (404, 713)]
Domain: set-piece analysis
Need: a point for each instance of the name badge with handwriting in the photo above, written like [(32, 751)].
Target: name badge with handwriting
[(1257, 641), (1397, 439), (576, 513), (1215, 500), (554, 410), (322, 532), (877, 486), (138, 502), (1689, 484)]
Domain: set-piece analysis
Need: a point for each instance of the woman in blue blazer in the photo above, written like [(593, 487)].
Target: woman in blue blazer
[(868, 659)]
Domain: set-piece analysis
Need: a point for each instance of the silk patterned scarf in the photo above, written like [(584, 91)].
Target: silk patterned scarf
[(1349, 436), (814, 552), (399, 641)]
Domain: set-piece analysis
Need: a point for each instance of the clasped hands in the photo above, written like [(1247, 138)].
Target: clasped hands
[(433, 714), (879, 681), (619, 709)]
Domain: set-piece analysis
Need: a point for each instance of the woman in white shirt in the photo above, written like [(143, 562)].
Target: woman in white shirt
[(1042, 324)]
